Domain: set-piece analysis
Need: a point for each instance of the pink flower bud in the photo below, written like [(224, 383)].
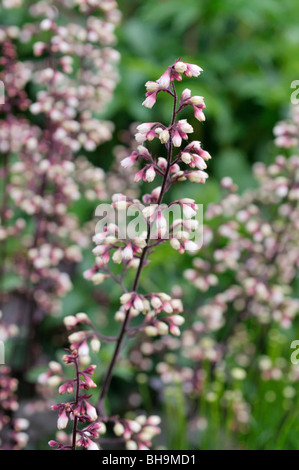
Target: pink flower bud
[(150, 174), (92, 445), (164, 81), (127, 253), (193, 70), (150, 101), (198, 113), (62, 420), (176, 139), (91, 411)]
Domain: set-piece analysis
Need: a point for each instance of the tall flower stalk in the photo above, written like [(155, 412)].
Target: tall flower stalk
[(167, 136), (162, 313)]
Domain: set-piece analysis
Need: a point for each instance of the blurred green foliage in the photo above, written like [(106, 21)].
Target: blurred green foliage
[(248, 53)]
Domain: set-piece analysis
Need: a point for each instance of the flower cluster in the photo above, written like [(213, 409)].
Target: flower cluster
[(137, 433), (53, 98), (45, 179), (79, 410), (12, 431)]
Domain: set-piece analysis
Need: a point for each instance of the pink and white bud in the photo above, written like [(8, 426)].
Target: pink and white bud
[(174, 330), (185, 127), (128, 162), (62, 420), (92, 445), (193, 70), (150, 101), (145, 127), (197, 176), (186, 95), (91, 411), (177, 139), (199, 114), (150, 174), (164, 81), (127, 253), (138, 304)]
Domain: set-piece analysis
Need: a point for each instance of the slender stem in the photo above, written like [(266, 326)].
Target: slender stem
[(124, 329), (75, 426)]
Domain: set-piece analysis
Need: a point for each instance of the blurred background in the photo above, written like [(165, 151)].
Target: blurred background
[(248, 51)]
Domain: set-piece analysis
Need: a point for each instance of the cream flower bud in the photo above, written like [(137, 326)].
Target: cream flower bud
[(177, 319), (164, 297), (156, 302), (70, 321), (131, 445), (151, 331), (186, 157), (191, 246), (150, 174), (180, 67), (175, 244), (121, 205), (125, 298), (120, 316), (95, 345), (154, 420), (54, 381), (77, 337), (197, 100), (117, 257), (163, 328), (177, 305), (152, 87), (119, 429), (98, 278), (82, 317), (164, 136), (197, 176)]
